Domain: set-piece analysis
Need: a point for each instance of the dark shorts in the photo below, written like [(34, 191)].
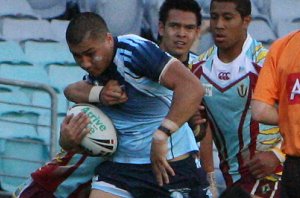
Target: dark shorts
[(291, 178), (139, 180)]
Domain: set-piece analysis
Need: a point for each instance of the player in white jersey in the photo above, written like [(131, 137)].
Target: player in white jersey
[(249, 152)]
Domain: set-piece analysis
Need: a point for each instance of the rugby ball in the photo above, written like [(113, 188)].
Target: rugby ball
[(102, 138)]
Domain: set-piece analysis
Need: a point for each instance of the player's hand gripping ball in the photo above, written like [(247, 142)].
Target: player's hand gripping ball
[(102, 138)]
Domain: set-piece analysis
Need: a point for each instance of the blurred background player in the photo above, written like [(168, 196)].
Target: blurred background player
[(276, 100), (248, 151), (179, 28)]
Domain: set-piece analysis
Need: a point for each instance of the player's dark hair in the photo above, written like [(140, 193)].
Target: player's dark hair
[(86, 25), (184, 5), (242, 6)]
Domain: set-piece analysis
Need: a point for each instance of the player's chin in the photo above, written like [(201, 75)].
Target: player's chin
[(179, 52), (95, 73)]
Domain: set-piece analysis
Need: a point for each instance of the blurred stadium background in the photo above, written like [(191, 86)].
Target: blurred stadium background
[(36, 65)]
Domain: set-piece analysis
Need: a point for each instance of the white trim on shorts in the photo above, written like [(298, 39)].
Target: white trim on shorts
[(109, 188)]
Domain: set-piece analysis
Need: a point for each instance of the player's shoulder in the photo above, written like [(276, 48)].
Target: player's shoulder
[(192, 57), (200, 60), (132, 39), (257, 52), (289, 41)]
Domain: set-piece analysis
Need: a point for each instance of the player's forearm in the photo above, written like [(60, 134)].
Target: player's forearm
[(206, 151), (187, 92), (264, 113), (185, 102), (78, 92)]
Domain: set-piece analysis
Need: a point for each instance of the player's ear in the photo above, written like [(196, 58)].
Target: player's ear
[(198, 30), (161, 27), (247, 20), (109, 37)]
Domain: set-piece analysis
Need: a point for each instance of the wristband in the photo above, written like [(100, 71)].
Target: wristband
[(169, 124), (94, 95), (211, 178), (165, 130)]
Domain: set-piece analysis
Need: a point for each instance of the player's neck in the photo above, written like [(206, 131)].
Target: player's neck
[(229, 54)]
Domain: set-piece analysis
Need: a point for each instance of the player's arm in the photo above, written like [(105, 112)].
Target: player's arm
[(264, 113), (266, 92), (78, 92), (207, 160), (206, 151), (83, 92), (187, 95), (188, 91)]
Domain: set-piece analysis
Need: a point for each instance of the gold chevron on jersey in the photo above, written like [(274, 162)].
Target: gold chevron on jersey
[(270, 131), (261, 55), (272, 141), (258, 47), (206, 55)]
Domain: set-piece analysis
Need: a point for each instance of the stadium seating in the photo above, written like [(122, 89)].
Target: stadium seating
[(12, 53), (23, 146), (45, 53), (59, 28), (263, 7), (48, 9), (151, 17), (11, 96), (59, 82), (17, 9), (18, 158), (285, 27), (128, 18), (205, 8), (261, 31), (206, 41), (285, 11), (28, 29)]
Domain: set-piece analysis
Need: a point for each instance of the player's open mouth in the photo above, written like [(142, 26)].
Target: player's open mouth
[(220, 38), (180, 44)]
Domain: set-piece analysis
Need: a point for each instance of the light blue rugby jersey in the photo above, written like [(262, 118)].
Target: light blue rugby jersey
[(137, 65), (236, 135)]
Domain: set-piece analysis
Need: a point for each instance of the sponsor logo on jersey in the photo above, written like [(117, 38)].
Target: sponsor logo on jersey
[(293, 88), (224, 75), (208, 89), (242, 90)]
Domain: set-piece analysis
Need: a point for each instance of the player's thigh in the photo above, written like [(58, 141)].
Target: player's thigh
[(102, 194)]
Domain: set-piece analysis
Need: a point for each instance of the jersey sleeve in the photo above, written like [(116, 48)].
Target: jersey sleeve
[(88, 79), (266, 89), (147, 59)]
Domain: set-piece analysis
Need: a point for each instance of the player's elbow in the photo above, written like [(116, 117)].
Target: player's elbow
[(257, 111), (71, 91), (257, 115), (68, 91)]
